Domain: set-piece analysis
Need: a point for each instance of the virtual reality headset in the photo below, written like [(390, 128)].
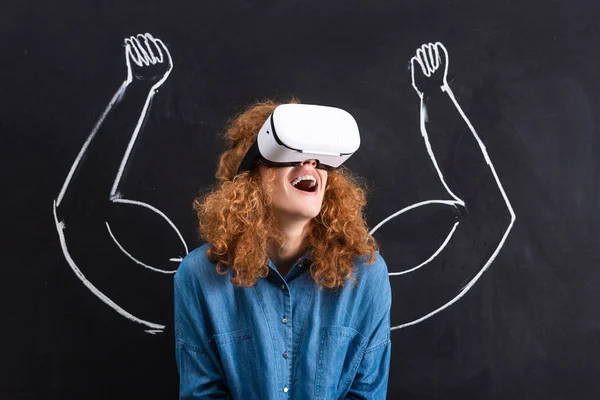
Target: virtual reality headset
[(294, 133)]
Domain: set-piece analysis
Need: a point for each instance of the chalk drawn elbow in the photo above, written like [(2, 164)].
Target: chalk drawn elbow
[(465, 288), (152, 327)]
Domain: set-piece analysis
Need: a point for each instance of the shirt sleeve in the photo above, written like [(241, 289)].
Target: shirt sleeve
[(371, 379), (200, 374)]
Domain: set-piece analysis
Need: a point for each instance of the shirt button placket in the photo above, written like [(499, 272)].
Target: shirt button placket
[(287, 308)]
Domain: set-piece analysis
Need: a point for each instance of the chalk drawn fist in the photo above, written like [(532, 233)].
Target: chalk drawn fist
[(429, 67), (148, 60)]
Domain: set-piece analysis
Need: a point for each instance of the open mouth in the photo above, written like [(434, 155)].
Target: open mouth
[(305, 183)]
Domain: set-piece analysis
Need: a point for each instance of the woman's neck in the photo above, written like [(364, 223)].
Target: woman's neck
[(293, 247)]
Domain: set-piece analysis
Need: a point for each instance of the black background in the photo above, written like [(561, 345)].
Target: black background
[(526, 73)]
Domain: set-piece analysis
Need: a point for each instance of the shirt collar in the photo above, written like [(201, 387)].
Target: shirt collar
[(308, 256), (303, 262)]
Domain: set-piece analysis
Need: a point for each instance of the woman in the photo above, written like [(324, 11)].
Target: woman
[(289, 297)]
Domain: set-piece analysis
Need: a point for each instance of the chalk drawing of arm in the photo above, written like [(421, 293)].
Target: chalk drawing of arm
[(90, 203), (447, 133)]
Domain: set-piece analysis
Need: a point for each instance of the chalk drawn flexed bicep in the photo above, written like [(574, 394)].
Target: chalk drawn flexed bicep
[(96, 223), (444, 126)]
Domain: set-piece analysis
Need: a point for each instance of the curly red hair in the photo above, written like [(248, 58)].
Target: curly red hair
[(237, 222)]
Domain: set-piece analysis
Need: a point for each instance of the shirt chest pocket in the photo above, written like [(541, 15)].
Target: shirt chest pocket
[(237, 352), (341, 350)]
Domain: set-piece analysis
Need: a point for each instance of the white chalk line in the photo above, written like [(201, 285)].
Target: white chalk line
[(163, 215), (157, 211), (428, 69), (136, 131), (144, 56), (434, 255), (132, 257), (60, 226), (140, 58), (112, 102), (416, 205), (413, 206), (140, 122)]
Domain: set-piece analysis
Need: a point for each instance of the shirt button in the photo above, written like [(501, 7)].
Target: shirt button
[(282, 287), (285, 355), (284, 320), (285, 389)]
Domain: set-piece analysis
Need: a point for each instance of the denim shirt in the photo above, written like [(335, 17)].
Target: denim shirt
[(283, 338)]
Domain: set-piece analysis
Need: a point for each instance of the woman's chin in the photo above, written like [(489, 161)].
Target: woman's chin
[(304, 214)]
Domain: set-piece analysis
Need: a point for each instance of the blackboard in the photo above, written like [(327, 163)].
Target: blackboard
[(489, 167)]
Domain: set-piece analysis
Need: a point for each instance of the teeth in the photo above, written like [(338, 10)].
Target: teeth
[(305, 178)]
